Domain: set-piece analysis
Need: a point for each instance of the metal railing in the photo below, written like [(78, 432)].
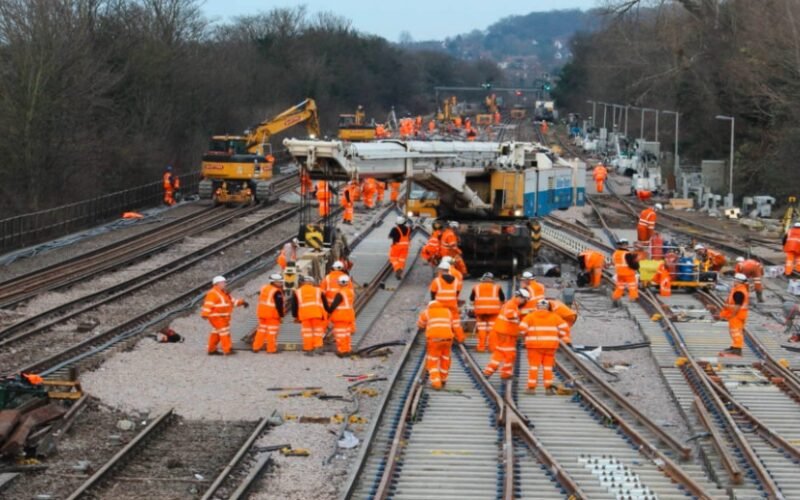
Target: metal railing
[(37, 227)]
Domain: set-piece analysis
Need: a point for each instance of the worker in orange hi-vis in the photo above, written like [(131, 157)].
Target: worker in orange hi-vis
[(592, 263), (625, 265), (440, 329), (535, 290), (347, 203), (398, 251), (355, 190), (709, 260), (445, 289), (664, 280), (450, 241), (497, 118), (380, 190), (543, 331), (754, 272), (735, 312), (647, 224), (503, 338), (430, 251), (330, 283), (270, 312), (394, 191), (431, 126), (600, 175), (306, 184), (564, 311), (218, 309), (368, 192), (791, 247), (380, 131), (288, 253), (544, 127), (487, 297), (324, 198), (343, 314), (418, 123), (309, 308), (457, 121), (169, 186)]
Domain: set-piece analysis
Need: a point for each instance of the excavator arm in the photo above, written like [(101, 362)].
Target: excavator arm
[(305, 111)]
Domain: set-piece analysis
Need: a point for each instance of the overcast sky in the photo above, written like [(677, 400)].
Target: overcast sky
[(424, 19)]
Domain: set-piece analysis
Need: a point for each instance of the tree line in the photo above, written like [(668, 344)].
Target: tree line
[(702, 58), (99, 95)]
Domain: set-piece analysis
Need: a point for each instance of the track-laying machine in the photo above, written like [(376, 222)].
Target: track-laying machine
[(237, 169)]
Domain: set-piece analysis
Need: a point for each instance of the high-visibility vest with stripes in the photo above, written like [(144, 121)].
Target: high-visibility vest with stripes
[(330, 284), (266, 303), (445, 293), (345, 310), (487, 298), (437, 321), (792, 240), (647, 218), (543, 329), (218, 306), (507, 321), (536, 290), (742, 314), (405, 237), (309, 303)]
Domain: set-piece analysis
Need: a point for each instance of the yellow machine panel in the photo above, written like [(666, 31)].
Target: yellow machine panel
[(507, 193)]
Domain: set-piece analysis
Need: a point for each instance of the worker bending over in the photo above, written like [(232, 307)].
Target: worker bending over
[(709, 260), (440, 328), (600, 175), (270, 312), (487, 298), (754, 272), (343, 315), (647, 224), (504, 334), (288, 253), (625, 265), (592, 263), (445, 289), (401, 239), (791, 246), (218, 309), (564, 311), (310, 307), (543, 332), (535, 291), (735, 312)]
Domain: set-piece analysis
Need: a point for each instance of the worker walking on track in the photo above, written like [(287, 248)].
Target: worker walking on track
[(487, 297), (647, 224), (270, 312), (309, 308), (600, 175), (535, 291), (218, 309), (543, 331), (401, 239), (368, 192), (791, 246), (169, 181), (449, 240), (503, 338), (754, 272), (445, 289), (288, 253), (348, 204), (394, 191), (735, 312), (324, 198), (431, 252), (440, 328), (343, 314), (625, 265), (592, 263)]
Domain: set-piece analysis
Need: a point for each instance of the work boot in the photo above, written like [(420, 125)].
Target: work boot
[(617, 304), (229, 353), (308, 353), (550, 391), (398, 274), (530, 390), (731, 352), (215, 353), (760, 295)]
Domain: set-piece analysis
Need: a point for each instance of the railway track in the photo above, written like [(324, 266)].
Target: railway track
[(65, 273)]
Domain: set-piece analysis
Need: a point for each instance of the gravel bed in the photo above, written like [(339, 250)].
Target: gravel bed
[(116, 313), (26, 265)]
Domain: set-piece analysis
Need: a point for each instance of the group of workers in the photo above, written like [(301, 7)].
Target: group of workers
[(370, 191)]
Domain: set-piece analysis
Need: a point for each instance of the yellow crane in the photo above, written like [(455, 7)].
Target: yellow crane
[(237, 169), (354, 128)]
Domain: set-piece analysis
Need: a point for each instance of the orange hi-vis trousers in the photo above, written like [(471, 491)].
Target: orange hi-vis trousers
[(324, 208), (438, 361), (267, 335), (459, 330), (546, 358), (599, 185), (348, 213), (342, 333), (595, 276), (736, 330), (504, 356), (626, 281), (313, 333), (484, 323), (220, 336), (792, 263)]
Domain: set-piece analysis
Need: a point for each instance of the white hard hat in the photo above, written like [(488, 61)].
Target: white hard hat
[(218, 279), (527, 275), (739, 259), (400, 220), (338, 265), (740, 277), (443, 266), (453, 223), (447, 259), (487, 277), (295, 241), (523, 293), (796, 224), (542, 304), (307, 279), (659, 206), (699, 247), (622, 241), (275, 277), (343, 280)]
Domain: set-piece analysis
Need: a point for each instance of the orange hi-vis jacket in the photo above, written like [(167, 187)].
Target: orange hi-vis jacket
[(267, 309), (792, 243), (394, 188), (592, 259), (543, 329), (446, 293), (647, 218), (600, 173), (750, 268), (741, 314), (431, 248), (345, 311), (621, 264), (536, 290), (330, 284), (487, 298), (323, 193), (218, 307), (167, 181), (449, 241), (309, 303), (438, 322), (564, 311), (507, 322)]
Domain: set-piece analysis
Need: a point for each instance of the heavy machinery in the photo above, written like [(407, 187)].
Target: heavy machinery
[(354, 128), (493, 189), (445, 114), (237, 169)]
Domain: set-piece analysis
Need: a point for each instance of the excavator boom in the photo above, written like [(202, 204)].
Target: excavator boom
[(305, 111)]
